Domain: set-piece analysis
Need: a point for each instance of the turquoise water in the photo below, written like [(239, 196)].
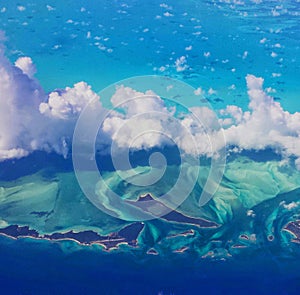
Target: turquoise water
[(245, 239), (141, 42)]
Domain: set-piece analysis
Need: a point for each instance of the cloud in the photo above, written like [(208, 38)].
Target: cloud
[(67, 104), (297, 162), (289, 206), (19, 100), (31, 119), (181, 64), (143, 122), (21, 8), (265, 125), (26, 65), (199, 91), (137, 102)]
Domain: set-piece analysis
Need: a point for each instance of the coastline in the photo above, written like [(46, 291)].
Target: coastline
[(174, 215), (86, 238)]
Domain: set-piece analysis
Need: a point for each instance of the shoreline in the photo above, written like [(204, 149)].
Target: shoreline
[(176, 216), (126, 236)]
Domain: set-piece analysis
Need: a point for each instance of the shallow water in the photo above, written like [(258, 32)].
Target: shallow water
[(103, 42)]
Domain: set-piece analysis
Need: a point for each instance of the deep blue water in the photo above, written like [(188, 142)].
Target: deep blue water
[(31, 267)]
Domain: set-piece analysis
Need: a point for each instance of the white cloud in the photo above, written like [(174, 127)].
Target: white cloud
[(276, 75), (199, 91), (21, 8), (211, 91), (245, 54), (68, 103), (250, 213), (137, 132), (270, 90), (289, 206), (266, 124), (263, 40), (181, 64), (273, 54), (144, 123), (297, 162), (137, 102), (50, 8), (26, 65), (19, 100), (168, 14), (166, 6), (275, 12), (32, 120), (13, 153), (234, 112)]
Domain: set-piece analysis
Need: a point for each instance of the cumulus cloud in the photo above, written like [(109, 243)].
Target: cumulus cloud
[(31, 119), (144, 124), (234, 112), (137, 102), (289, 206), (19, 100), (181, 64), (199, 91), (26, 65), (67, 104), (265, 125)]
